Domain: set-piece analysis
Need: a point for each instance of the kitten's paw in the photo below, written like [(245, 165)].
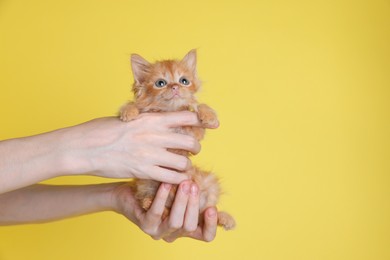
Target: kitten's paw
[(146, 203), (207, 116), (198, 133), (226, 221), (128, 113)]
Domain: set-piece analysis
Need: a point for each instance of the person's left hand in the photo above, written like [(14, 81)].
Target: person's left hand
[(182, 220)]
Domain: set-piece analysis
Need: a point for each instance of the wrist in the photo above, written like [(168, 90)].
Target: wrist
[(72, 154), (107, 194), (118, 196), (86, 147)]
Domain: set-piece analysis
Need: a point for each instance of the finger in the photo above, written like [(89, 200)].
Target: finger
[(171, 237), (197, 234), (182, 142), (192, 212), (176, 218), (173, 161), (176, 141), (168, 176), (157, 208), (183, 118), (206, 233), (152, 218), (210, 224)]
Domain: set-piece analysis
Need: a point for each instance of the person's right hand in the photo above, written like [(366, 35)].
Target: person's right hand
[(110, 148), (183, 219)]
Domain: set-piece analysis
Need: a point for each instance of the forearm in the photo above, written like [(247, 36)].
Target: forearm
[(42, 203), (28, 160)]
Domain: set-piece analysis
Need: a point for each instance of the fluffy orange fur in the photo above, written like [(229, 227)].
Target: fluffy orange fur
[(165, 86)]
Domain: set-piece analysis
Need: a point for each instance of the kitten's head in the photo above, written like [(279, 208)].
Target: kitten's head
[(167, 85)]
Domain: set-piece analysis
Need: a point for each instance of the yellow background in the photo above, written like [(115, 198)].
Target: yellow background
[(302, 92)]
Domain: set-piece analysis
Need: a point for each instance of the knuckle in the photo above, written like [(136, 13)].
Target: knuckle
[(155, 237), (153, 215), (142, 172), (208, 239), (169, 240), (150, 230), (192, 143), (146, 117), (141, 168), (184, 163), (175, 225), (190, 228)]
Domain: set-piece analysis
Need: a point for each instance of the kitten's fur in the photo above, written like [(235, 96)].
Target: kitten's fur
[(170, 85)]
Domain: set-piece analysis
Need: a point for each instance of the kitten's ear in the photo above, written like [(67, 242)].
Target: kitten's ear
[(140, 67), (190, 60)]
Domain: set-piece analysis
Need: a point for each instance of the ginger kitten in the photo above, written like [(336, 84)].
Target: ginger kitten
[(167, 86)]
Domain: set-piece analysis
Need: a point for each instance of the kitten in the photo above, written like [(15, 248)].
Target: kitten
[(170, 85)]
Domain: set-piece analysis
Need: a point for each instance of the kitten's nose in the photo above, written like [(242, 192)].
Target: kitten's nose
[(175, 87)]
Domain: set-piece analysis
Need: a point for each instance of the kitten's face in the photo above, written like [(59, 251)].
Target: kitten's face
[(167, 85)]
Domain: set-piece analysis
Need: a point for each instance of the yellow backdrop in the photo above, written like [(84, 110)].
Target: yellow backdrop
[(302, 89)]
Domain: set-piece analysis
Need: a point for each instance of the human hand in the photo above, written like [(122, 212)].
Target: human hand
[(183, 217), (111, 148), (105, 147)]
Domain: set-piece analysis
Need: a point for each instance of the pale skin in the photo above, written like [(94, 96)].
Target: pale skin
[(109, 148), (42, 203), (105, 147)]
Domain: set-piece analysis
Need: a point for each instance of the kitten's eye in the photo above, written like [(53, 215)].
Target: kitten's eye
[(160, 83), (184, 81)]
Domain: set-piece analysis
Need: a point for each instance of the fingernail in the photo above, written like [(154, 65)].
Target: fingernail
[(194, 189), (186, 188), (167, 186)]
